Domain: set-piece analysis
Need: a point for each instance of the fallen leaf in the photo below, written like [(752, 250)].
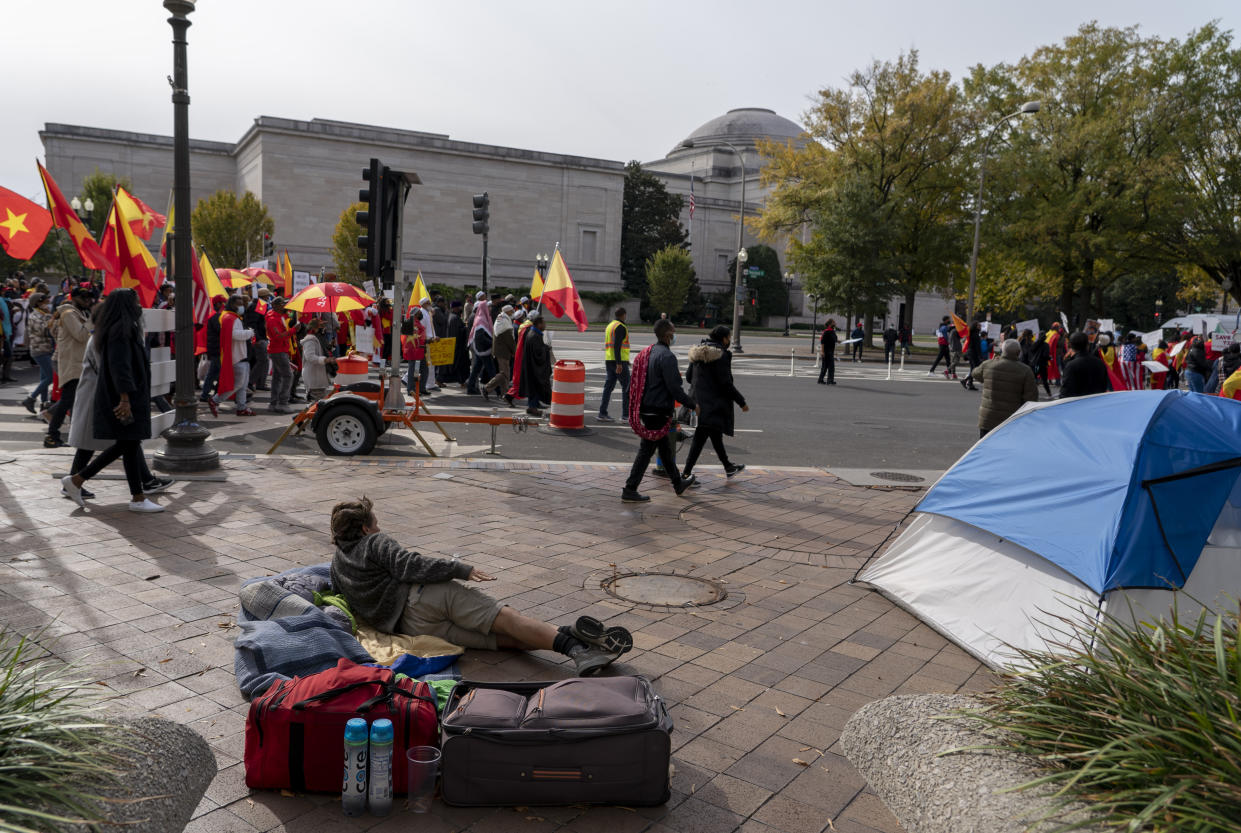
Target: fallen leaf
[(287, 793), (534, 818), (223, 624), (825, 769), (623, 807), (250, 801), (693, 788), (805, 749), (162, 661), (736, 708), (520, 809), (800, 762), (140, 672), (191, 650), (830, 826), (782, 714), (782, 581)]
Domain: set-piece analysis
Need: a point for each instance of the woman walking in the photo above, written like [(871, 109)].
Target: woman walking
[(121, 410), (710, 375), (39, 339)]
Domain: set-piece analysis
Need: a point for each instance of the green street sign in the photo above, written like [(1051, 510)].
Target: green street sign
[(755, 271)]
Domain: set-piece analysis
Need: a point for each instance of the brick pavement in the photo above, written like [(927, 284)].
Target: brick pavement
[(759, 685)]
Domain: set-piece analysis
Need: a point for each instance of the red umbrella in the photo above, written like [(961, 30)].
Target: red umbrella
[(267, 276), (332, 296), (233, 278)]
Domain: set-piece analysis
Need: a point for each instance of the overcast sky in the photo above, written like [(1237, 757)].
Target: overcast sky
[(617, 80)]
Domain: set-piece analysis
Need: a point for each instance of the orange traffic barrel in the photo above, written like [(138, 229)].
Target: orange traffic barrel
[(351, 370), (568, 411)]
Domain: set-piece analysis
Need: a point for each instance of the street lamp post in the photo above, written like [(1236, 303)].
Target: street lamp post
[(542, 263), (788, 300), (185, 442), (1028, 107), (85, 212), (741, 256)]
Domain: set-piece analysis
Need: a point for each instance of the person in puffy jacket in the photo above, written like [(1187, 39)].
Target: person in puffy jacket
[(1007, 384), (1197, 368), (710, 376)]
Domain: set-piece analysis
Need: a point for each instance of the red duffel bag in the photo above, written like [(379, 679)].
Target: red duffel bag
[(295, 732)]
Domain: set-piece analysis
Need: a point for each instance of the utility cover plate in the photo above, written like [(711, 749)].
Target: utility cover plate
[(665, 589)]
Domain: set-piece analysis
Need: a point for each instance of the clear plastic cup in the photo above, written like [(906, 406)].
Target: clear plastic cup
[(422, 766)]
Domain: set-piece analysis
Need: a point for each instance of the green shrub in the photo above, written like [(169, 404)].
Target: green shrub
[(52, 746), (1142, 723)]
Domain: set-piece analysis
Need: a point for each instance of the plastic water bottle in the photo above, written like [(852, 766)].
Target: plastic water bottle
[(353, 791), (381, 767)]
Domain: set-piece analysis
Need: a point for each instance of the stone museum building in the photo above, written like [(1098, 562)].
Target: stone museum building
[(308, 172)]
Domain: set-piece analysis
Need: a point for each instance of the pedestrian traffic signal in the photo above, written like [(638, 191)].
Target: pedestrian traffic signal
[(269, 245), (482, 213), (371, 219)]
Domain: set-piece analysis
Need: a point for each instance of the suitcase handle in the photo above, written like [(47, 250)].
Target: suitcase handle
[(557, 775), (386, 695)]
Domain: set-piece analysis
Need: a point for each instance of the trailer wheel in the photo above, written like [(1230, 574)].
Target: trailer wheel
[(345, 431)]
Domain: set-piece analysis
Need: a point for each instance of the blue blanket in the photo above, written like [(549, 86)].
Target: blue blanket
[(283, 635)]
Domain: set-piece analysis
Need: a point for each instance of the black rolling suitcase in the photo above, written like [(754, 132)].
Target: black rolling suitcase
[(598, 740)]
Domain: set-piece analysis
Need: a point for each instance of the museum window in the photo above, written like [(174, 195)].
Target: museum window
[(721, 266), (590, 246)]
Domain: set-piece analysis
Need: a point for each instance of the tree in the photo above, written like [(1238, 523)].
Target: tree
[(1204, 111), (345, 251), (767, 288), (669, 275), (1077, 191), (224, 225), (896, 133), (847, 263), (650, 222)]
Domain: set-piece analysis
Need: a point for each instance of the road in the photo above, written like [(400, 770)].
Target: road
[(911, 421)]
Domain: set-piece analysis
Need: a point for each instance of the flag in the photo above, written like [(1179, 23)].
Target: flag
[(536, 286), (285, 269), (63, 216), (418, 292), (559, 295), (135, 266), (692, 203), (962, 330), (145, 221), (23, 225)]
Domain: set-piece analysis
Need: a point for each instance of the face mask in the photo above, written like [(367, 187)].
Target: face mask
[(672, 340)]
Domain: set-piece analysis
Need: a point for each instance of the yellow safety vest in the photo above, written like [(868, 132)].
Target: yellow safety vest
[(609, 352)]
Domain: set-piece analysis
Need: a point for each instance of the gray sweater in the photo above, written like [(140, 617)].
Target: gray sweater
[(374, 574)]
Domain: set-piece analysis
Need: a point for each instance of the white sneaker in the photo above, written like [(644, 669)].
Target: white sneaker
[(74, 492), (145, 506)]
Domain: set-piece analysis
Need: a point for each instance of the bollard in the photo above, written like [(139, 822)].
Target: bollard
[(902, 361), (889, 367), (791, 364), (568, 406)]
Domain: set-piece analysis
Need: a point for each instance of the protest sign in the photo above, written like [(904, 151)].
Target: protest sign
[(441, 352)]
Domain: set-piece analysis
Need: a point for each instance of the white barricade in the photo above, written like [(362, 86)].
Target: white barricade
[(163, 367)]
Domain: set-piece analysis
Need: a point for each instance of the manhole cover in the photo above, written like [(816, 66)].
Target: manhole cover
[(899, 477), (664, 589)]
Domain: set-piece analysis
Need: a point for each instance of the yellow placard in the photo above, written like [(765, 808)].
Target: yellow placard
[(441, 352)]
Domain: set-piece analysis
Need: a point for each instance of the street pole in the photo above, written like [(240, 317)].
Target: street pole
[(1028, 107), (736, 339), (788, 300), (185, 442)]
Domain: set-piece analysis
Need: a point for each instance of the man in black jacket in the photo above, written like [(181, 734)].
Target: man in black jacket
[(213, 351), (255, 319), (660, 394), (827, 345), (1084, 372)]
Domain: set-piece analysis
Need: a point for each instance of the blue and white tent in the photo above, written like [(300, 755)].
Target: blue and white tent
[(1114, 504)]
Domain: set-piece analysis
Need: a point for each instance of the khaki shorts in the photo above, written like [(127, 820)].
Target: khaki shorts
[(451, 611)]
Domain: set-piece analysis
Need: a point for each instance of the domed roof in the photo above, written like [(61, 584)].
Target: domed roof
[(744, 125)]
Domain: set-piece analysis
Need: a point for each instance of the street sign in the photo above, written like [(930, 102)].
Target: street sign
[(755, 271)]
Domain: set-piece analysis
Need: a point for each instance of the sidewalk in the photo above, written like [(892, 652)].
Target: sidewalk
[(759, 684)]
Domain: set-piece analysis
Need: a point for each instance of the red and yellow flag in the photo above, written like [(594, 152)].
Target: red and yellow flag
[(23, 225), (963, 330), (284, 267), (135, 266), (536, 286), (92, 256), (560, 295), (146, 220)]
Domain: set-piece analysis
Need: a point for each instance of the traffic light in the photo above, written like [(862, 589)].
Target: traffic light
[(371, 220), (482, 213), (269, 245)]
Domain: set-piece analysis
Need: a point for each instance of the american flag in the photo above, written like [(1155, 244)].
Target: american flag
[(692, 202)]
